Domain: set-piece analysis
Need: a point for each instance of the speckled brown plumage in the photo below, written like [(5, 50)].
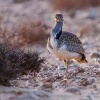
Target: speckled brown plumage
[(71, 41), (69, 37)]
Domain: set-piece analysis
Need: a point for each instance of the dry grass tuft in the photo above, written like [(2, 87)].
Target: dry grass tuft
[(75, 4), (14, 63), (32, 32), (24, 33)]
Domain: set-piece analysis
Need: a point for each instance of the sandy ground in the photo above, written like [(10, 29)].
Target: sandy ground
[(83, 80)]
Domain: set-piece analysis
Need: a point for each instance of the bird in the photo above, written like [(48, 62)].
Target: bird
[(65, 45)]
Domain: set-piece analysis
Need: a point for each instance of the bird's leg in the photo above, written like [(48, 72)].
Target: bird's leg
[(67, 65), (60, 66)]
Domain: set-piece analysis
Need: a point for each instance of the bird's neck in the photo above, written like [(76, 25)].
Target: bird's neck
[(57, 31)]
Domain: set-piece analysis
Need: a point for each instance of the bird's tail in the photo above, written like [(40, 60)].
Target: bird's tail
[(83, 59)]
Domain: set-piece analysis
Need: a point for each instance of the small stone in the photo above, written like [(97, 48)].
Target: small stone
[(58, 77), (91, 80), (49, 79), (84, 82), (89, 97), (80, 70), (47, 85), (73, 90), (95, 55), (64, 82), (97, 72), (98, 61), (45, 68), (96, 86)]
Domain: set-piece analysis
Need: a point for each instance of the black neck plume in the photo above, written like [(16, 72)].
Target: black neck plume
[(57, 31), (59, 34)]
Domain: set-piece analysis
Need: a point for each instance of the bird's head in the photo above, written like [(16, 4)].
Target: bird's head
[(59, 18)]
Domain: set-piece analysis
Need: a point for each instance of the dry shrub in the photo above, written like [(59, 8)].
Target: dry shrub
[(24, 33), (32, 32), (20, 1), (75, 4), (14, 63), (88, 29), (84, 30)]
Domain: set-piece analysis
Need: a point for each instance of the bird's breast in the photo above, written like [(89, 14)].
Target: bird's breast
[(54, 43), (62, 52)]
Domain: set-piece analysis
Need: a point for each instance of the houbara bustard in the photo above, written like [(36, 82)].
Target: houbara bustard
[(65, 45)]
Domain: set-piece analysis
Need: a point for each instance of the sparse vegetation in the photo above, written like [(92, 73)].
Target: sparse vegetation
[(32, 32), (14, 63), (75, 4), (24, 33)]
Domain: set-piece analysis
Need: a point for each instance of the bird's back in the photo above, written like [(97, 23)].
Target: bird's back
[(70, 42), (69, 37)]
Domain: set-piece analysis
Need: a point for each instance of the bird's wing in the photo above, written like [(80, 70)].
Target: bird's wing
[(76, 48), (69, 37), (73, 47)]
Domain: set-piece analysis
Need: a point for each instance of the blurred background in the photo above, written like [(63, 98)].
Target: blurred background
[(27, 24)]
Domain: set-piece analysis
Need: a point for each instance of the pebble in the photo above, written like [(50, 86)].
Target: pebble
[(84, 82), (95, 55), (47, 85), (49, 79), (73, 90), (89, 97)]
